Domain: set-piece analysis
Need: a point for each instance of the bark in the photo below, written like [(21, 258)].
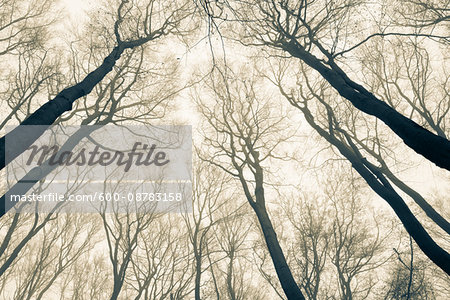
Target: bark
[(47, 114), (116, 291), (290, 287), (420, 201), (287, 281), (433, 147)]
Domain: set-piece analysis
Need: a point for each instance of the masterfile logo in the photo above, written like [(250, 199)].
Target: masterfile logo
[(103, 158)]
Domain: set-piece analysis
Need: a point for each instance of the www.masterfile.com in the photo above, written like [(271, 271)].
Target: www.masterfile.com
[(97, 196)]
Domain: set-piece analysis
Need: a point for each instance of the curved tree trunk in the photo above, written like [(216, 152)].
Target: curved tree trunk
[(433, 147), (381, 186), (47, 114)]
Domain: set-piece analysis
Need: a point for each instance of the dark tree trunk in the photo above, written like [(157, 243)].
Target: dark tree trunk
[(198, 274), (284, 274), (380, 185), (433, 147), (47, 114), (287, 281)]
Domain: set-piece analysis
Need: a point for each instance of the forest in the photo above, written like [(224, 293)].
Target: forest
[(306, 143)]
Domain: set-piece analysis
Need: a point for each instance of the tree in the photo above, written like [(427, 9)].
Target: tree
[(300, 31), (331, 129), (241, 140), (128, 32), (356, 242), (122, 233), (162, 265), (300, 28), (209, 187)]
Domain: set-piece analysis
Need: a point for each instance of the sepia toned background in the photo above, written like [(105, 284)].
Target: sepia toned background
[(320, 147)]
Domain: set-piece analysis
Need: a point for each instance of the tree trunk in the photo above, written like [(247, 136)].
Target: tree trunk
[(47, 114), (198, 271), (290, 287), (39, 172), (380, 186), (423, 204), (433, 147)]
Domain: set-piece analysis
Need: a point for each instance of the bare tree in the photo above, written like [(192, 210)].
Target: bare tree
[(24, 24), (425, 14), (88, 278), (337, 242), (35, 71), (122, 233), (301, 30), (309, 251), (329, 126), (242, 138), (231, 269), (134, 25)]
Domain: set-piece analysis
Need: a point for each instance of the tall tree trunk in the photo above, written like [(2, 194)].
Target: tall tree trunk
[(290, 287), (381, 186), (433, 147), (21, 138)]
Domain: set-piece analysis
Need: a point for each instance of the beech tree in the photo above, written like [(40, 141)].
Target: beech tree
[(240, 136), (209, 186), (140, 89), (408, 279), (133, 25), (300, 29)]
